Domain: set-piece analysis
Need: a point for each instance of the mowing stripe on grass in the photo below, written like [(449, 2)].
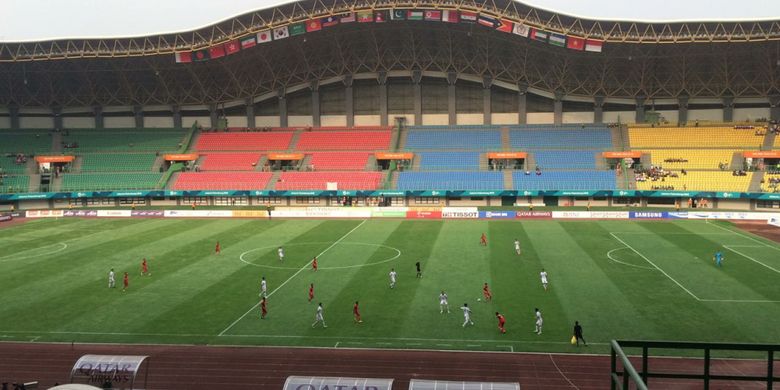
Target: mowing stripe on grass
[(305, 266), (656, 267)]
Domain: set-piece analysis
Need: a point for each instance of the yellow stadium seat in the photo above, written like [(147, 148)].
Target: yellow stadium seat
[(697, 158), (693, 137), (702, 181)]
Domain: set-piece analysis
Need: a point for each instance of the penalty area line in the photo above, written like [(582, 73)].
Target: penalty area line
[(305, 267)]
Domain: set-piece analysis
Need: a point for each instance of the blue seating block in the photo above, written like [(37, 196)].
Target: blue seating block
[(565, 180), (448, 161), (450, 181), (442, 139)]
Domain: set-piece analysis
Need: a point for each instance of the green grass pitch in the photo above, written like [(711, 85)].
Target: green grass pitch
[(620, 279)]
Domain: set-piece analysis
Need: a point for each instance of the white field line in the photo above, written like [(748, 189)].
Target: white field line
[(743, 235), (305, 267), (656, 267), (609, 256), (739, 300), (729, 247), (562, 374)]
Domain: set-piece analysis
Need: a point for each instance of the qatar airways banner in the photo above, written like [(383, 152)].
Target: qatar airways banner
[(534, 214), (197, 214), (459, 213)]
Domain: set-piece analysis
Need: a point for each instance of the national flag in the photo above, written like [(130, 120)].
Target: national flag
[(488, 21), (267, 35), (504, 26), (593, 45), (313, 25), (432, 15), (330, 21), (365, 17), (232, 47), (575, 43), (398, 14), (380, 16), (250, 41), (297, 29), (449, 16), (279, 33), (200, 55), (217, 51), (468, 17), (414, 15), (539, 35), (347, 18), (557, 40), (521, 30), (183, 57)]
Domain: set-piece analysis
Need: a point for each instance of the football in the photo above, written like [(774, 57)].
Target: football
[(479, 299)]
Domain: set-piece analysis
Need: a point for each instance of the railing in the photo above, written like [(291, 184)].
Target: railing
[(621, 379)]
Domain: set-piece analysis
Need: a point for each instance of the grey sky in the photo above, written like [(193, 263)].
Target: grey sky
[(34, 20)]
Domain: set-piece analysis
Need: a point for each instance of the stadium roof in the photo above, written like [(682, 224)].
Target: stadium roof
[(43, 20)]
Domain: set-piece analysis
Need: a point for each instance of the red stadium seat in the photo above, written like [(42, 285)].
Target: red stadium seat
[(230, 162), (344, 140), (222, 181), (319, 180), (244, 141), (339, 161)]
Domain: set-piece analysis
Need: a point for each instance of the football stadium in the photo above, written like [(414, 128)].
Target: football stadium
[(389, 195)]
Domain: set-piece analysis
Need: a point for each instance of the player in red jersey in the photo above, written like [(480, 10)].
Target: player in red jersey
[(145, 268), (483, 240), (217, 249), (311, 292), (126, 281), (263, 308), (486, 292), (356, 312), (314, 264), (501, 322)]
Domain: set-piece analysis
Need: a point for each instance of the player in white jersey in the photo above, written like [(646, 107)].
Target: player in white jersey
[(443, 304), (393, 276), (517, 246), (111, 279), (318, 317), (281, 253), (543, 276), (539, 322), (263, 288), (466, 315)]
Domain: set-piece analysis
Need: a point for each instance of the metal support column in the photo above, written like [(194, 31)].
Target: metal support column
[(522, 103), (281, 93), (57, 113), (728, 108), (138, 113), (349, 100), (452, 112), (682, 115), (250, 113), (640, 109), (382, 79), (177, 122), (487, 111), (598, 109), (98, 112), (316, 112), (416, 79), (13, 112), (558, 108)]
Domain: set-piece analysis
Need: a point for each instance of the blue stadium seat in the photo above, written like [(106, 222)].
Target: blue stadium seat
[(556, 138), (445, 139), (448, 161), (450, 181), (565, 180), (565, 159)]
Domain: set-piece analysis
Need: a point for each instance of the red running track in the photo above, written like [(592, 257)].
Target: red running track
[(206, 367)]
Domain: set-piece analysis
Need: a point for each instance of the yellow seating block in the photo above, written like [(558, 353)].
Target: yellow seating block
[(702, 181), (697, 158), (693, 137)]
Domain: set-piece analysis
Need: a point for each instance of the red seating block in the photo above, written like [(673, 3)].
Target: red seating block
[(339, 161), (230, 162), (319, 180), (222, 181), (344, 140), (244, 141)]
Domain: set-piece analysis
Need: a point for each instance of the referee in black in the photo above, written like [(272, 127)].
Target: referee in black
[(578, 333), (419, 272)]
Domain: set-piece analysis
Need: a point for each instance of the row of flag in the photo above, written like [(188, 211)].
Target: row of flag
[(445, 16)]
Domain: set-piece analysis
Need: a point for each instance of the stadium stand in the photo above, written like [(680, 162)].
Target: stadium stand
[(445, 138), (319, 180), (339, 161), (448, 161), (589, 137), (116, 162), (771, 182), (157, 140), (26, 142), (14, 183), (699, 181), (565, 159), (696, 158), (110, 181), (260, 141), (344, 140), (8, 164), (693, 137), (564, 180), (450, 180), (222, 181), (230, 162)]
